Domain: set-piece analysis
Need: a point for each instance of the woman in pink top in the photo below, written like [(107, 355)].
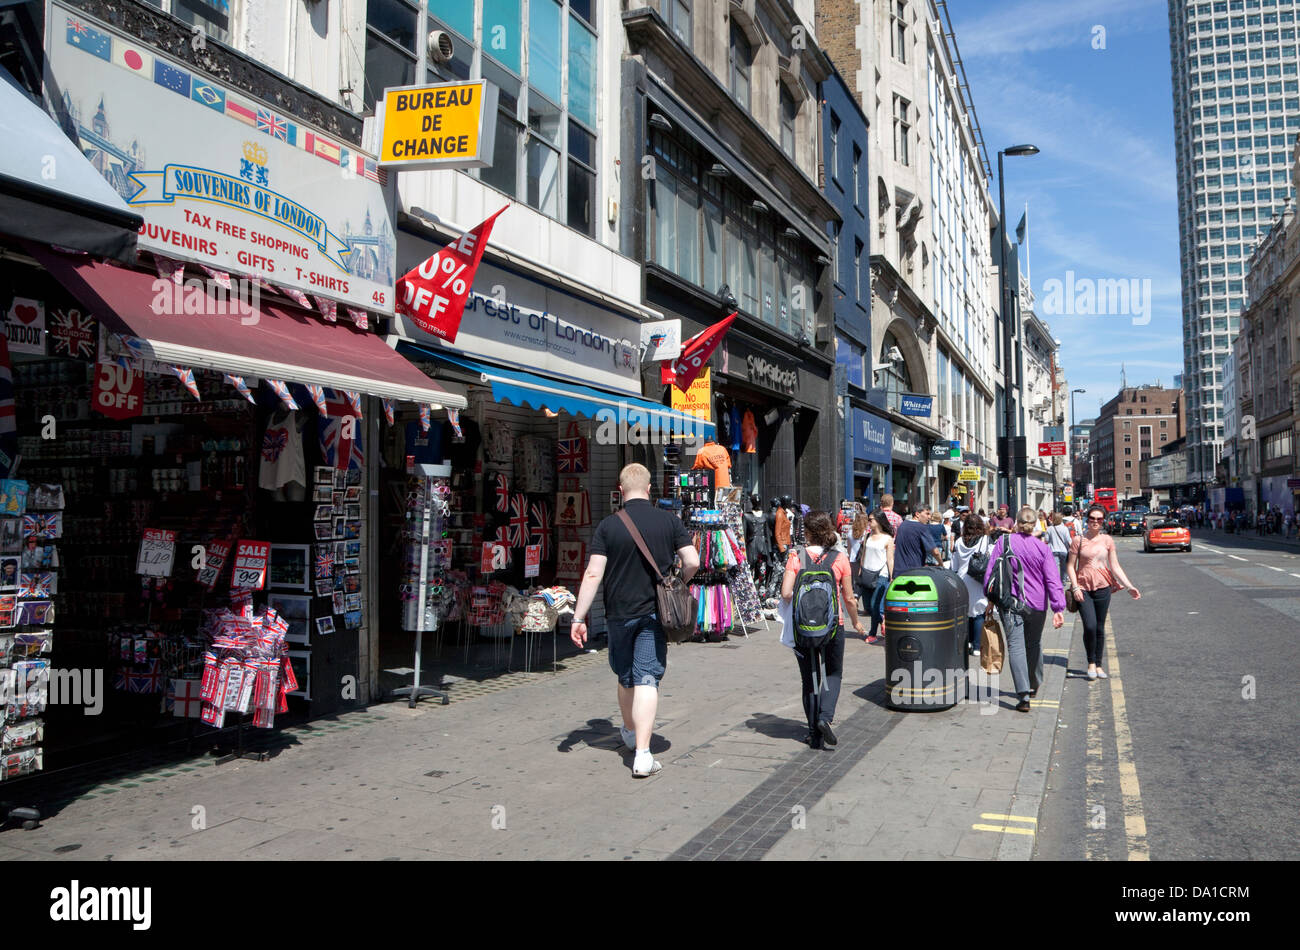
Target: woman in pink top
[(1093, 567)]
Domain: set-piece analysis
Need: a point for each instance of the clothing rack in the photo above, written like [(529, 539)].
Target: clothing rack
[(724, 585)]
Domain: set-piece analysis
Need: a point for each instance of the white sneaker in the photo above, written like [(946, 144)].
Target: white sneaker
[(974, 652), (644, 765), (1092, 674), (629, 737), (1101, 674)]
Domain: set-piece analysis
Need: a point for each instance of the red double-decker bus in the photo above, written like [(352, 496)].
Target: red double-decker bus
[(1106, 498)]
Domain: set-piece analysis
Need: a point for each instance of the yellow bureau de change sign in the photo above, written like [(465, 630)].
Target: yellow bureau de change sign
[(445, 125)]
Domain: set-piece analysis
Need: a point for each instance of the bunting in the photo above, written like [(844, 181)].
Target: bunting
[(388, 411), (424, 419), (354, 402), (360, 318), (282, 391), (328, 309), (241, 387), (186, 376), (317, 394)]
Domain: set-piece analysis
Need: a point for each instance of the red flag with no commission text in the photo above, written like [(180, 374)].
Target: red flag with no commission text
[(695, 354), (434, 294)]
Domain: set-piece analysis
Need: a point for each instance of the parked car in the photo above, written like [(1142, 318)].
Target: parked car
[(1166, 534)]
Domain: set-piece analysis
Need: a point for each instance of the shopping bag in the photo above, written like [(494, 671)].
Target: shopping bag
[(994, 646), (571, 455), (570, 560), (572, 509)]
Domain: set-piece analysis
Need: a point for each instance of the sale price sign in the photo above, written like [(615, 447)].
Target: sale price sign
[(157, 553), (250, 565), (118, 392), (434, 294), (213, 561), (532, 560)]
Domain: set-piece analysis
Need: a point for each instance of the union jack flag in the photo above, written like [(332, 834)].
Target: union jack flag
[(317, 394), (147, 681), (354, 401), (272, 125), (389, 411), (34, 586), (77, 26), (241, 386), (325, 565), (328, 309), (43, 525), (539, 526), (424, 419), (72, 333), (282, 391), (503, 491), (337, 450), (453, 416), (518, 523), (186, 376), (571, 456)]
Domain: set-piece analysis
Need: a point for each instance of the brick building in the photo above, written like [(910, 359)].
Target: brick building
[(1136, 424)]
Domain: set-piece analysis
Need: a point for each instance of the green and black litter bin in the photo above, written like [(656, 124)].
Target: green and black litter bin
[(925, 639)]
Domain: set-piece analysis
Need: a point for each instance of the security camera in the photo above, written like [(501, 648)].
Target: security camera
[(441, 46)]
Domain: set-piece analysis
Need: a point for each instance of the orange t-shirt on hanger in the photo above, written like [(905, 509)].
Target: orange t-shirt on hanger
[(715, 457), (749, 433)]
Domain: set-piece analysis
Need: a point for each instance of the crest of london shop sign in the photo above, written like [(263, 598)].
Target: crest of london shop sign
[(220, 178), (519, 322)]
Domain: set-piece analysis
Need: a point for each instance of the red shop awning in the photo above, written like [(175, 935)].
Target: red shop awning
[(271, 341)]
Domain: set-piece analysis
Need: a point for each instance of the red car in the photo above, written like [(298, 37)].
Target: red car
[(1169, 533)]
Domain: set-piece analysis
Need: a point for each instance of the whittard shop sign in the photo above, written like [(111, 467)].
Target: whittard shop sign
[(518, 322)]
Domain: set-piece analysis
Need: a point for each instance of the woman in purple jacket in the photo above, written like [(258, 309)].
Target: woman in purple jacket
[(1042, 589)]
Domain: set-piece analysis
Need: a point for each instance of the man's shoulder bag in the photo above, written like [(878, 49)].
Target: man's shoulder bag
[(677, 606)]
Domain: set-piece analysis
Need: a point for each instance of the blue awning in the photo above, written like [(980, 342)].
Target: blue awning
[(537, 392)]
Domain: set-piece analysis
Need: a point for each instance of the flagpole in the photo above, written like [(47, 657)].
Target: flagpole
[(1028, 277)]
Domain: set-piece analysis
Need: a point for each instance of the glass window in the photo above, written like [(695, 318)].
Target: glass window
[(678, 15), (457, 14), (503, 174), (543, 177), (582, 73), (543, 118), (544, 47), (741, 55), (788, 112), (386, 66), (582, 199), (688, 232), (711, 277), (503, 32), (394, 20), (857, 161)]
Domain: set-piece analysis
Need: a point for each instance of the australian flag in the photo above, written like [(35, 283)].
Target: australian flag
[(336, 449), (87, 38)]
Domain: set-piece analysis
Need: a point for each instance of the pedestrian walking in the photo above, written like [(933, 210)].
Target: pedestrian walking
[(1039, 588), (1002, 522), (876, 568), (914, 542), (638, 649), (858, 533), (887, 506), (1059, 538), (970, 557), (1094, 573), (819, 589)]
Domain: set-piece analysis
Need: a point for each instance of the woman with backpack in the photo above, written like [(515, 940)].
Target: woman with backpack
[(818, 602), (1094, 573), (876, 567), (1058, 538), (1028, 583), (970, 560)]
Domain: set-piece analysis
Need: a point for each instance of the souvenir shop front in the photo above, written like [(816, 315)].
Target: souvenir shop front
[(189, 520), (551, 379)]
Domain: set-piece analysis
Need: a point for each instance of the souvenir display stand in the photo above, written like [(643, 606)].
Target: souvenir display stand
[(426, 560), (32, 520)]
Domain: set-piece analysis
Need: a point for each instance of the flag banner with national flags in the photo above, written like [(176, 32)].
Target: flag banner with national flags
[(696, 351), (340, 435), (434, 294)]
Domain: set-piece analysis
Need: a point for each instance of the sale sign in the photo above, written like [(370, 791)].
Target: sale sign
[(532, 560), (157, 553), (250, 565), (214, 560), (682, 371), (118, 392), (434, 294)]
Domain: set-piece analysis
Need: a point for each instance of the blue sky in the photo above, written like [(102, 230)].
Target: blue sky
[(1102, 194)]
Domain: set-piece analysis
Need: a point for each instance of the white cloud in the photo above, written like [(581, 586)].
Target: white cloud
[(1034, 26)]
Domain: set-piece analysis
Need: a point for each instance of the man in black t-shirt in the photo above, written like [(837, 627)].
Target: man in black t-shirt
[(638, 649)]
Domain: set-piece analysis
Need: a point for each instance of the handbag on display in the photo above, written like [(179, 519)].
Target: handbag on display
[(572, 508), (571, 453)]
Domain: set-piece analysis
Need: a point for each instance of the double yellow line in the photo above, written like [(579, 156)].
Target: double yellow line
[(1006, 829)]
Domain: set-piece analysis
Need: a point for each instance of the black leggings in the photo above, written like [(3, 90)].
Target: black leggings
[(833, 653), (1093, 613)]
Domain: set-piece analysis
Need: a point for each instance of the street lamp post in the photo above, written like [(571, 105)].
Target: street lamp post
[(1008, 414), (1074, 421)]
